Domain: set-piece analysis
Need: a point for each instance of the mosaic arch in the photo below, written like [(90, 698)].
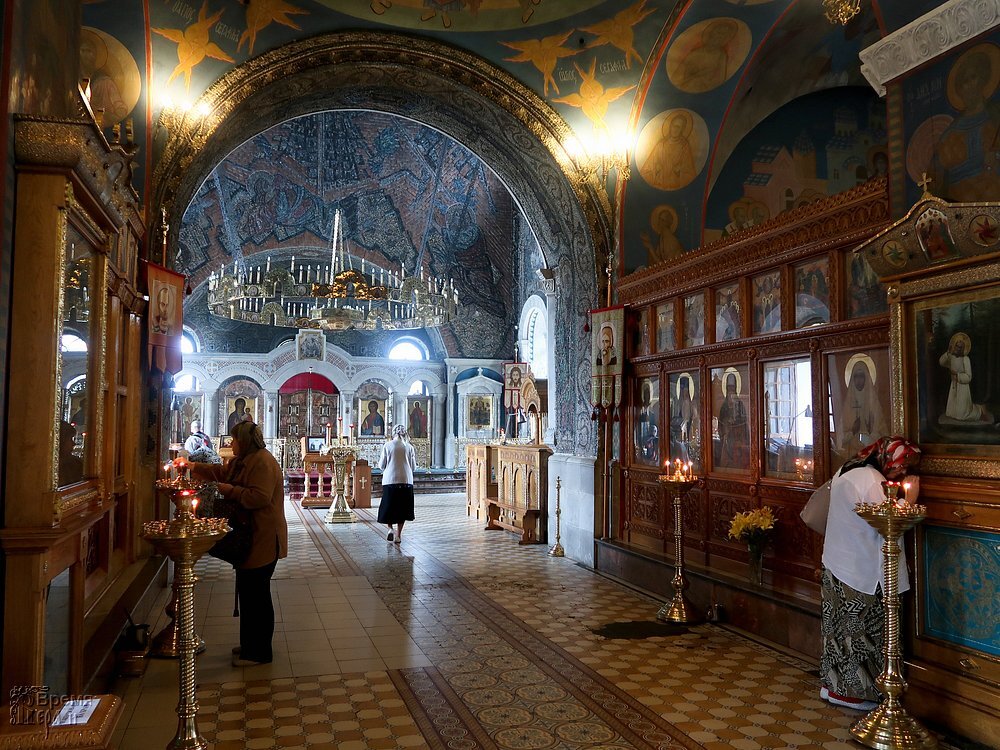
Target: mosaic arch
[(507, 126)]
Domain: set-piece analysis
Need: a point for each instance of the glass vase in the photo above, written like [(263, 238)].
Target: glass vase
[(755, 564)]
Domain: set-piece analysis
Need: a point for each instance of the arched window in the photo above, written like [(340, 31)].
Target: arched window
[(408, 349), (72, 343), (534, 330), (189, 342), (419, 388), (185, 382)]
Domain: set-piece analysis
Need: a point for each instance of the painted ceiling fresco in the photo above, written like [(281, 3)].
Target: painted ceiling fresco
[(409, 197), (690, 81)]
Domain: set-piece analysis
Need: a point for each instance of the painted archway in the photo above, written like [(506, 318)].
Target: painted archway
[(508, 126)]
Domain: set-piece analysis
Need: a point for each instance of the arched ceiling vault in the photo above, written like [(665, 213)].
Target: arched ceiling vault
[(505, 124)]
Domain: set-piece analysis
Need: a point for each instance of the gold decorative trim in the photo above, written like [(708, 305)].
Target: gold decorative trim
[(840, 220), (897, 390), (388, 57), (55, 424), (960, 467), (79, 147)]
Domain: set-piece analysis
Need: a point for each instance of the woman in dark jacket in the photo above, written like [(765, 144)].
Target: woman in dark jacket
[(254, 479)]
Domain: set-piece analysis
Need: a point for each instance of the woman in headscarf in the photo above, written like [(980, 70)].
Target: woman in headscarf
[(254, 479), (853, 571), (397, 463)]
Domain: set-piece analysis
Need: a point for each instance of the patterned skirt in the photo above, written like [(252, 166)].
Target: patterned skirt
[(852, 640)]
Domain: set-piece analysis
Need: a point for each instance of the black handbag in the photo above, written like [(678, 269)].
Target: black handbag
[(234, 547)]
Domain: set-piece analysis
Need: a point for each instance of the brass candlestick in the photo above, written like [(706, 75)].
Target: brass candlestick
[(678, 609), (890, 727), (339, 511), (167, 643), (557, 549), (184, 539)]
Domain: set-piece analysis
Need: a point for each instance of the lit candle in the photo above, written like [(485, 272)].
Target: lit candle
[(194, 507)]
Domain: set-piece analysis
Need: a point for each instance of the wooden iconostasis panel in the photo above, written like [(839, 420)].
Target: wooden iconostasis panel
[(306, 413)]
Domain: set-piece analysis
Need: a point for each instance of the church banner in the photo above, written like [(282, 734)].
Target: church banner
[(165, 317), (607, 329)]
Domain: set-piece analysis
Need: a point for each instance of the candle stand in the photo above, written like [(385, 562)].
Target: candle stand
[(557, 549), (340, 511), (184, 539), (678, 609), (167, 643), (890, 727)]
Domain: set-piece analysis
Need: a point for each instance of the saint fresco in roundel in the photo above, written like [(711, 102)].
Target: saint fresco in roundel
[(672, 149), (113, 73), (708, 54)]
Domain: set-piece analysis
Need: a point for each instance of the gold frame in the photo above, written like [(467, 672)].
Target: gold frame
[(491, 408), (906, 299), (426, 402)]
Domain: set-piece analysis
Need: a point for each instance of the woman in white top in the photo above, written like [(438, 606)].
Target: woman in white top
[(397, 463), (853, 615)]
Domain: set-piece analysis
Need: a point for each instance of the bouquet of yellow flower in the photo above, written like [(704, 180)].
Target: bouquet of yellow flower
[(752, 527)]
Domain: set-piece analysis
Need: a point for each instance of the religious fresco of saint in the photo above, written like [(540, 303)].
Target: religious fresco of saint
[(812, 293), (956, 364), (647, 422), (684, 393), (672, 149), (708, 54), (661, 242), (865, 295), (859, 401), (113, 73), (766, 290), (666, 333), (730, 418), (728, 313), (952, 112)]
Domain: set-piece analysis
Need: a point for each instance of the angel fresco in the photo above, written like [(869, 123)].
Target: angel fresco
[(193, 44), (618, 31), (544, 54), (262, 13), (593, 99)]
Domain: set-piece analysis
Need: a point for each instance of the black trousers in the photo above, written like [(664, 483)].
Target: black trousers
[(253, 586)]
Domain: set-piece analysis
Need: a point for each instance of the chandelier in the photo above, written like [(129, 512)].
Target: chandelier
[(334, 297), (841, 11)]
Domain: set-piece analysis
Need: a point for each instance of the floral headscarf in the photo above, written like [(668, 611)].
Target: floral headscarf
[(886, 454)]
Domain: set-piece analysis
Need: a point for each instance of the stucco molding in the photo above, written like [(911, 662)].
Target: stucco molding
[(926, 38)]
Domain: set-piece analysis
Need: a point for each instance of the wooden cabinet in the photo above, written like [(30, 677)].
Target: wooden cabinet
[(480, 477), (521, 504), (70, 510)]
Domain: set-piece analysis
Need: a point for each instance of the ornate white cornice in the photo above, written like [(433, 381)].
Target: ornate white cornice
[(929, 36)]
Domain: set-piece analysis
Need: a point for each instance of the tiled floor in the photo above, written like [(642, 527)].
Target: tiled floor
[(460, 638)]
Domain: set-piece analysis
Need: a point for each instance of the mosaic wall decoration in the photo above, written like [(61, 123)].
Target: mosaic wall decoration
[(961, 587)]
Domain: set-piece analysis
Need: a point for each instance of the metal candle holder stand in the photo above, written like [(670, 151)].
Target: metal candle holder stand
[(184, 539), (890, 727), (678, 609), (167, 643), (340, 511), (557, 549)]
